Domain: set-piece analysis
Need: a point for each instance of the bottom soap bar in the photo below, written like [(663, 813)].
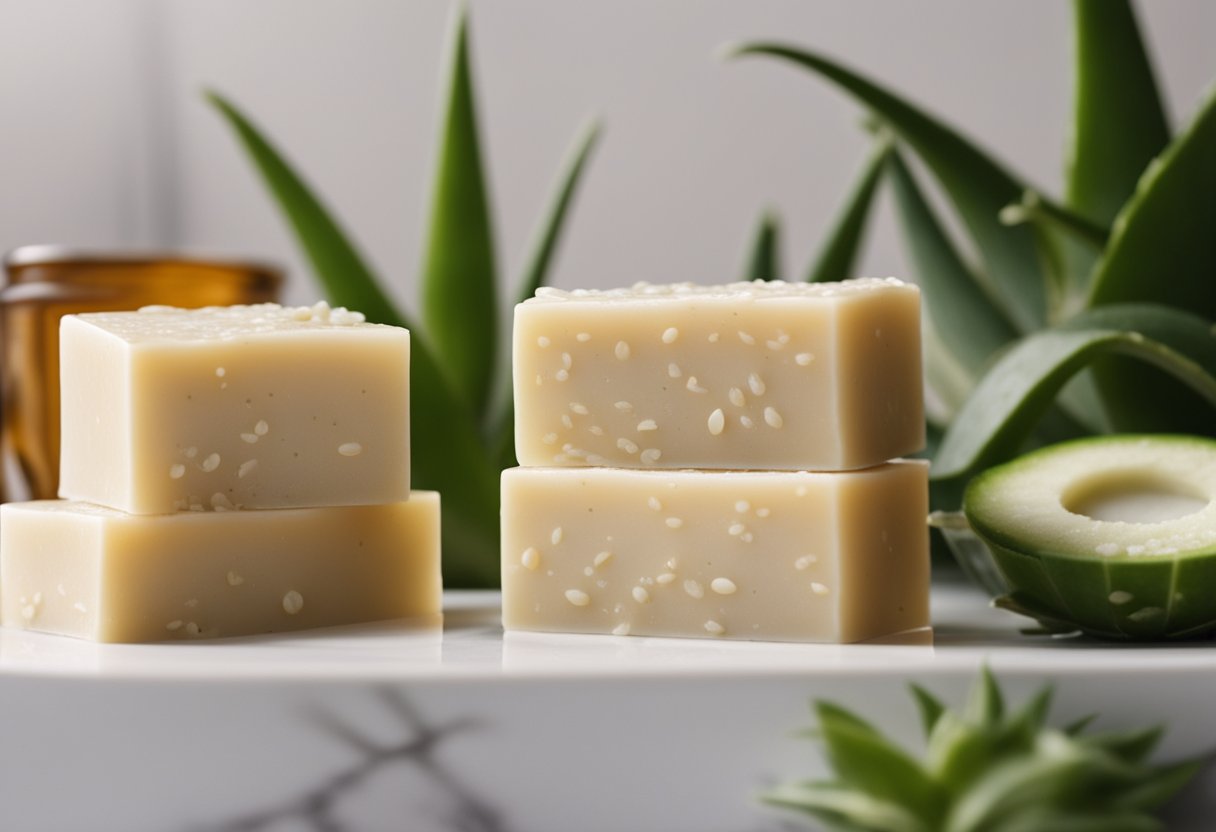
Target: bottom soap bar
[(91, 572), (783, 556)]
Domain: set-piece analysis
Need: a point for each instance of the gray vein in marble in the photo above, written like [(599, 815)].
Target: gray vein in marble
[(316, 808)]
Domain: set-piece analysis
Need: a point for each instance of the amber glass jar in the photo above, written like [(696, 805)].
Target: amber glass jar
[(47, 282)]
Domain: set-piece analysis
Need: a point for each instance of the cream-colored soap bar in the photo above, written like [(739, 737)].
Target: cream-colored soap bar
[(784, 556), (92, 572), (777, 376), (247, 406)]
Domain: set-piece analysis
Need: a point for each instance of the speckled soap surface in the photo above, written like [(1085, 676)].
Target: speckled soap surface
[(783, 556), (776, 376), (83, 570), (212, 409)]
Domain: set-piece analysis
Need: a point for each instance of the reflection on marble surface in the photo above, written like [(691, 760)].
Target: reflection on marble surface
[(388, 728), (331, 651), (471, 645)]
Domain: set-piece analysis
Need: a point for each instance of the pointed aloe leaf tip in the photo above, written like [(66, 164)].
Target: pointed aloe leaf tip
[(537, 268), (459, 292), (334, 258), (930, 707), (764, 257), (986, 705), (838, 253), (548, 235)]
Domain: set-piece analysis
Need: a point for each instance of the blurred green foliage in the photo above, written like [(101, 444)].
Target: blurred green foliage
[(985, 770)]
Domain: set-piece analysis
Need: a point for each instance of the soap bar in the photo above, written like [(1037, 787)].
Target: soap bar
[(233, 407), (83, 570), (781, 376), (782, 556)]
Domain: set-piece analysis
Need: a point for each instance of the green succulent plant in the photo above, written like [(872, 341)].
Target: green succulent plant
[(1088, 315), (462, 423), (986, 770)]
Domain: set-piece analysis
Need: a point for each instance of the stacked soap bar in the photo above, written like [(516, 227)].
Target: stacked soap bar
[(228, 471), (815, 376), (786, 401)]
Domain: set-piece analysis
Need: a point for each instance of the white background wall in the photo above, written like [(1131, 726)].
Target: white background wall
[(104, 138)]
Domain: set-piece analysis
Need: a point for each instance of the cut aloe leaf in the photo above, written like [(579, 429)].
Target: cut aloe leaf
[(1114, 536)]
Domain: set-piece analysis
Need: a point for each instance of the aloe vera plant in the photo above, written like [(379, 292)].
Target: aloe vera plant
[(460, 410), (986, 770), (1085, 315)]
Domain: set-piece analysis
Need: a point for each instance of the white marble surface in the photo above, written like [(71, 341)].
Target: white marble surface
[(413, 727)]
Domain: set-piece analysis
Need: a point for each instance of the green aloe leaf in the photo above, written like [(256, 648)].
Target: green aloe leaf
[(1128, 746), (549, 234), (536, 274), (958, 752), (843, 809), (986, 770), (945, 376), (985, 706), (1011, 786), (837, 257), (334, 259), (1068, 245), (459, 298), (1153, 792), (1049, 820), (978, 185), (764, 258), (966, 327), (1162, 249), (1004, 408), (863, 758), (1119, 123), (1033, 207), (964, 316), (1031, 718), (447, 454), (1137, 398), (1076, 727), (929, 706)]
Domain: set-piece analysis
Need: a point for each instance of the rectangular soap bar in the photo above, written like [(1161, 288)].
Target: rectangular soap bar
[(780, 376), (262, 406), (92, 572), (782, 556)]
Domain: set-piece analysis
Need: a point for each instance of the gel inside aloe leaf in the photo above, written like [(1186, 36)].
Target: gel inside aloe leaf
[(1114, 535)]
